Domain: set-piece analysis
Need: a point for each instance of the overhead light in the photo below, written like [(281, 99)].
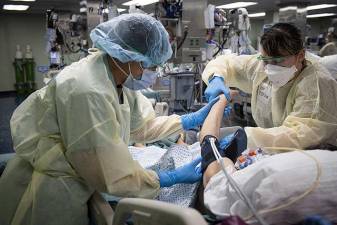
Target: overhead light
[(140, 2), (106, 10), (302, 10), (320, 15), (16, 7), (260, 14), (312, 7), (288, 8), (322, 6), (22, 0), (120, 10), (235, 5)]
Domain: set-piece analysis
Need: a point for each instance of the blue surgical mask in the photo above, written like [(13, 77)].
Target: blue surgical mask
[(147, 79)]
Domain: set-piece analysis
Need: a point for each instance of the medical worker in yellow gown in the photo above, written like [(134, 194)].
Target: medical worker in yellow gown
[(294, 99), (71, 137)]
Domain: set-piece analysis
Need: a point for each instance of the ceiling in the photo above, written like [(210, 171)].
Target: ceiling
[(40, 6)]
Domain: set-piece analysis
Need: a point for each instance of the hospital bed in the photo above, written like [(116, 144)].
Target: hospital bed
[(295, 204), (142, 212), (139, 211)]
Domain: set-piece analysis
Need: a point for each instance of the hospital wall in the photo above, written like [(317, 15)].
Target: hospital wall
[(23, 29), (256, 30), (318, 26)]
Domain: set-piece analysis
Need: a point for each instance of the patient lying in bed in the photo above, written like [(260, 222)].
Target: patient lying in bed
[(157, 159), (285, 188), (170, 158)]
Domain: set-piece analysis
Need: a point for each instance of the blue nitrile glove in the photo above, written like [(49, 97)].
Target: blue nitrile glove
[(216, 87), (225, 141), (227, 112), (197, 118), (232, 145), (316, 220), (187, 174)]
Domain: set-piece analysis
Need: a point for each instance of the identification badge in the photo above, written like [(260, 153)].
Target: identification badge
[(264, 93)]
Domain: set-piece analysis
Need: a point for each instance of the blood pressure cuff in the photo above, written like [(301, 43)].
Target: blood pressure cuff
[(232, 150), (207, 152)]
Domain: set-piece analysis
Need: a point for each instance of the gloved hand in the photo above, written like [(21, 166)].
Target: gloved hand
[(232, 145), (227, 111), (187, 174), (226, 141), (197, 118), (216, 87)]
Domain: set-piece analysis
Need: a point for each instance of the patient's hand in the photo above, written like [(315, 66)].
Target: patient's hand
[(222, 98), (222, 102), (139, 145), (180, 140), (234, 93)]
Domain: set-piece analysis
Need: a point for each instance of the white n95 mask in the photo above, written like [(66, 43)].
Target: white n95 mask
[(279, 75)]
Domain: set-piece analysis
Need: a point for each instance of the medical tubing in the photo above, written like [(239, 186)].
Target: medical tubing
[(221, 47), (183, 40), (308, 191), (234, 185)]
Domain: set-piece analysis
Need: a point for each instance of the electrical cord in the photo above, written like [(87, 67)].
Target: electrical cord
[(224, 41), (183, 40)]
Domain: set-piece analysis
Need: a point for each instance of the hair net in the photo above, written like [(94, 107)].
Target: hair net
[(133, 37)]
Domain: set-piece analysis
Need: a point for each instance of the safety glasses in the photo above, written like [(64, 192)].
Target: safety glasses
[(273, 60)]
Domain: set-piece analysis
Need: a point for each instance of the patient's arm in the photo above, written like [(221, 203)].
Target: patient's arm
[(211, 126), (212, 123)]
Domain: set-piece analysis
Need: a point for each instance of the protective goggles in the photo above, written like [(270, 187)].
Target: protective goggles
[(273, 60)]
